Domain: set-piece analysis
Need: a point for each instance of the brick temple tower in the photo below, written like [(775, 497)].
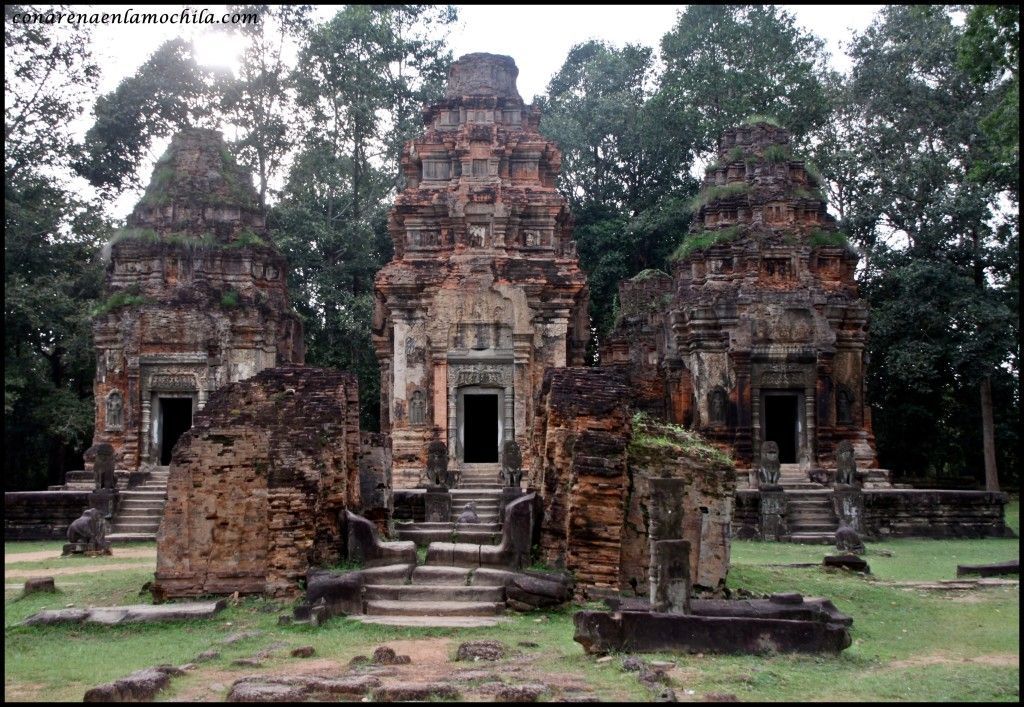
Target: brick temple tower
[(759, 334), (195, 298), (484, 291)]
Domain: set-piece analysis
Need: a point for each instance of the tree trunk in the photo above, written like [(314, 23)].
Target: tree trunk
[(988, 436)]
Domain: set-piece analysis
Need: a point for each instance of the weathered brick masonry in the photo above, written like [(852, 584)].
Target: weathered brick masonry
[(257, 485)]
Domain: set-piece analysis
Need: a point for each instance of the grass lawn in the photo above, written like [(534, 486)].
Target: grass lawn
[(909, 644)]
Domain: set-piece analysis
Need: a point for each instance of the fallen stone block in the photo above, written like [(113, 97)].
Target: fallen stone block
[(39, 584), (303, 652), (481, 650), (140, 686), (605, 632), (997, 569), (847, 562), (385, 655), (298, 688), (528, 692), (414, 691), (142, 613)]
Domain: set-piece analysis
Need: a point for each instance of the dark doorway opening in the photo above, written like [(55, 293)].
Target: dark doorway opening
[(176, 419), (481, 429), (780, 424)]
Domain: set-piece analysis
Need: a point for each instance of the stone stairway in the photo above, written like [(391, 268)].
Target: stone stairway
[(480, 476), (811, 518), (141, 509), (793, 478), (486, 532), (432, 595)]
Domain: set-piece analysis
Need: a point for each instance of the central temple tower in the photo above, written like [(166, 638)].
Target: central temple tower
[(484, 291)]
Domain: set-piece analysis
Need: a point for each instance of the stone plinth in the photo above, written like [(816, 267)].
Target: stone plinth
[(257, 486), (774, 508), (848, 505)]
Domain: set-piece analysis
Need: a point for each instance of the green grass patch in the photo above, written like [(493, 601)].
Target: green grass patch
[(907, 644), (775, 154), (229, 298), (821, 238), (755, 119), (122, 298), (702, 240), (717, 192), (651, 433), (648, 274)]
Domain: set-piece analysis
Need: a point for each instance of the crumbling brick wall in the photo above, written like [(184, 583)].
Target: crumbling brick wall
[(659, 450), (580, 438), (257, 485), (592, 463)]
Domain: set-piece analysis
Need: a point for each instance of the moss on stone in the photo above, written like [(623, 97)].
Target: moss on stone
[(755, 119), (651, 435), (122, 298), (705, 239), (776, 154), (720, 191), (822, 238), (648, 274), (229, 299)]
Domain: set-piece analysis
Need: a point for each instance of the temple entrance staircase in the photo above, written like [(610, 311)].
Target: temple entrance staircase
[(140, 509), (811, 518), (437, 595)]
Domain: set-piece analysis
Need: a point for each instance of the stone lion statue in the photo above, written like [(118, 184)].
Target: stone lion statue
[(770, 471), (847, 539), (90, 529), (511, 463), (437, 464), (846, 464)]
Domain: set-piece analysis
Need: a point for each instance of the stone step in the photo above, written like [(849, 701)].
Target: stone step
[(423, 538), (813, 538), (387, 574), (426, 574), (130, 537), (433, 608), (432, 621), (492, 527), (476, 493), (144, 495), (139, 517), (432, 593), (144, 528), (127, 505)]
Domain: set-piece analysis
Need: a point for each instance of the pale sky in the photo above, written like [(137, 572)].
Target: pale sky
[(538, 37)]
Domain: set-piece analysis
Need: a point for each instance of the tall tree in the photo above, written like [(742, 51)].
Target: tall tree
[(364, 75), (260, 101), (626, 178), (724, 63), (940, 282), (51, 239)]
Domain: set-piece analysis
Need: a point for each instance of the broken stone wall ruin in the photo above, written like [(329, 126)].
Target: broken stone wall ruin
[(258, 484), (593, 469)]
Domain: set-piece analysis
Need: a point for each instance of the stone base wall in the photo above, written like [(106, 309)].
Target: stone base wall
[(42, 515), (257, 486), (902, 513), (933, 513), (375, 495), (581, 434)]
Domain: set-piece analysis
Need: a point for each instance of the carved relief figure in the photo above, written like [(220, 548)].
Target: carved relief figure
[(478, 235), (115, 411), (846, 464), (768, 474), (417, 408), (717, 402), (531, 237), (844, 406)]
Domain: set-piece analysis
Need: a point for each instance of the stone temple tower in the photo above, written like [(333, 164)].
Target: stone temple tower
[(759, 334), (484, 291), (195, 298)]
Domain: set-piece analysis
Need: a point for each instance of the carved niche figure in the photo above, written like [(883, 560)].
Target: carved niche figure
[(717, 402), (531, 237), (89, 530), (477, 235), (103, 464), (844, 406), (847, 539), (115, 411), (511, 463), (768, 474), (417, 408), (437, 464), (846, 464)]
